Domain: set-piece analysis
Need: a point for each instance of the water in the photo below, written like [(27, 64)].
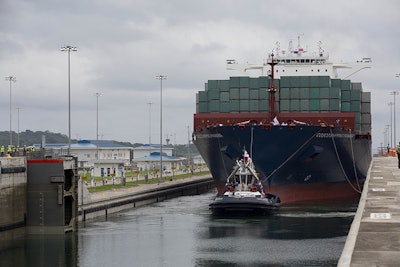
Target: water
[(182, 232)]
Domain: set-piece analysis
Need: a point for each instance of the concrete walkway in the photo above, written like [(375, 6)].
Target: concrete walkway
[(374, 237)]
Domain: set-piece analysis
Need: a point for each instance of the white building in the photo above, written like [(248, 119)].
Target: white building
[(111, 156), (146, 150), (147, 158)]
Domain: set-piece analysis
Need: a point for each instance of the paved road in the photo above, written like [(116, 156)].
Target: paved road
[(374, 237)]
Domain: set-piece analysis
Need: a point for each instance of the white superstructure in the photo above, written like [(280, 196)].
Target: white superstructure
[(298, 62)]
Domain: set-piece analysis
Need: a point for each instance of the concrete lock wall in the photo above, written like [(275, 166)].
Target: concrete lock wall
[(13, 201)]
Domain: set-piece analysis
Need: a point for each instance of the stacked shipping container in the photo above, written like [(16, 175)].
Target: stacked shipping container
[(296, 94)]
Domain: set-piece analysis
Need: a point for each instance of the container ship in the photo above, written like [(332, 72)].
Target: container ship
[(307, 130)]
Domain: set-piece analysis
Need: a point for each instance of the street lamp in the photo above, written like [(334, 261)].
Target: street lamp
[(68, 49), (394, 93), (97, 95), (11, 79), (391, 124), (18, 127), (150, 103), (161, 78)]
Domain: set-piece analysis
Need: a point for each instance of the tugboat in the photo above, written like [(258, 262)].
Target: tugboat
[(244, 192)]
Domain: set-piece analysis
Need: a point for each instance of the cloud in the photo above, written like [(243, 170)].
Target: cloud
[(123, 45)]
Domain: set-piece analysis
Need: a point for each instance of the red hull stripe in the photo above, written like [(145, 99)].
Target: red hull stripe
[(41, 161)]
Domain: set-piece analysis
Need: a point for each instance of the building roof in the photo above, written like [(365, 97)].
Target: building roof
[(155, 156), (152, 147), (87, 144)]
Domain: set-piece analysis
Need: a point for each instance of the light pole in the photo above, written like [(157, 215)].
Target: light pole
[(68, 49), (161, 78), (189, 161), (391, 124), (394, 93), (18, 127), (97, 95), (11, 79), (388, 130), (150, 103)]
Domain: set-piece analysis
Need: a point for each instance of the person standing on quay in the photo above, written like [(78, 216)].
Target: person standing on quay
[(398, 153)]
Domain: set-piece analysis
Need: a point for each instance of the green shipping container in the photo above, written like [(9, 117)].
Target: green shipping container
[(294, 93), (304, 105), (304, 93), (294, 81), (284, 93), (294, 105), (253, 83), (263, 105), (324, 92), (234, 106), (244, 93), (314, 82), (254, 94), (345, 95), (213, 94), (355, 106), (314, 93), (225, 107), (213, 106), (304, 82), (234, 93), (244, 81), (334, 92), (324, 81), (244, 105), (324, 104), (212, 84), (234, 82), (314, 104), (223, 85), (358, 117), (345, 107), (334, 104), (284, 105), (224, 96), (285, 82), (263, 93), (203, 96), (263, 81), (346, 85), (203, 107), (336, 83), (254, 105)]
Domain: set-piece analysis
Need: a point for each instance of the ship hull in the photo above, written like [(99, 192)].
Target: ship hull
[(302, 164)]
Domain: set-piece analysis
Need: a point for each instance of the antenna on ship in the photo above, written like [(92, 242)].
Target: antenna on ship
[(272, 90)]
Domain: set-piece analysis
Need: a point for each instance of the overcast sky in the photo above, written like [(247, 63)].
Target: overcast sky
[(123, 44)]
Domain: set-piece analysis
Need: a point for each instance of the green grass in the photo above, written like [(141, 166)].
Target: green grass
[(130, 183)]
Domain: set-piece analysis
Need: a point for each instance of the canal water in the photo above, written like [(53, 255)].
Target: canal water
[(182, 232)]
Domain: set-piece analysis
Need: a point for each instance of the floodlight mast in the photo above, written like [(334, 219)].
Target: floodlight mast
[(69, 49)]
